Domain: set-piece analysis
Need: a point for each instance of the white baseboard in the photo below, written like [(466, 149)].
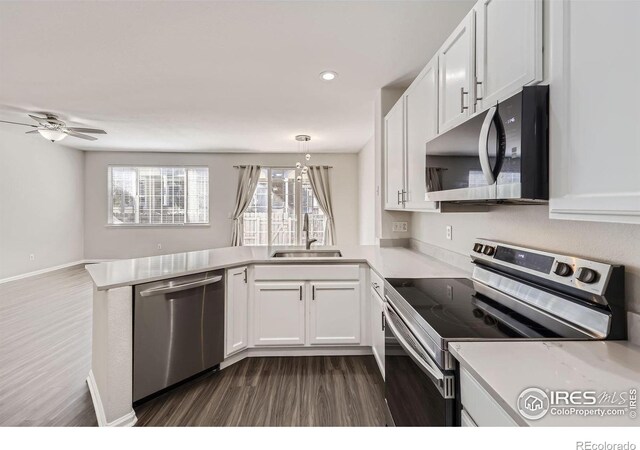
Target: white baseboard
[(128, 420), (52, 269), (265, 352)]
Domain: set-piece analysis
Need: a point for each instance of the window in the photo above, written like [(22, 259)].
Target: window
[(158, 195), (275, 214)]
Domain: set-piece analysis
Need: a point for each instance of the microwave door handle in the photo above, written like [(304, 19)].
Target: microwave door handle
[(423, 362), (483, 146)]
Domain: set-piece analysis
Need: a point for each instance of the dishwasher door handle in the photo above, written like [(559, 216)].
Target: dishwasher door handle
[(169, 288)]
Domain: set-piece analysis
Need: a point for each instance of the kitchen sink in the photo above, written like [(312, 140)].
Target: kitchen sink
[(307, 254)]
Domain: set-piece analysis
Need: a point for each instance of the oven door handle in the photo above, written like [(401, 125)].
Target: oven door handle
[(423, 362)]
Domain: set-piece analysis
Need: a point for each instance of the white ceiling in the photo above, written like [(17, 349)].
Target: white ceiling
[(214, 76)]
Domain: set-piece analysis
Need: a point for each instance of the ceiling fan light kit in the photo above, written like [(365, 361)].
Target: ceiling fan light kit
[(52, 135), (53, 129)]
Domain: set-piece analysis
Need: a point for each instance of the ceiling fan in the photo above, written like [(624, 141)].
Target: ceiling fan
[(54, 129)]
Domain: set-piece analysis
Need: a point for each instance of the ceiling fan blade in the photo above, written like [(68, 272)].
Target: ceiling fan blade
[(87, 130), (18, 123), (31, 132), (41, 120), (80, 135)]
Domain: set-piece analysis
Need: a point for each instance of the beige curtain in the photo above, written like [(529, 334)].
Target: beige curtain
[(247, 183), (319, 180)]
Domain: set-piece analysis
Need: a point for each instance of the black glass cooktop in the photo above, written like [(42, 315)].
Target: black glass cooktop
[(455, 311)]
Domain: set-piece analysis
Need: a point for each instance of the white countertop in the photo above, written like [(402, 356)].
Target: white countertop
[(505, 369), (390, 262)]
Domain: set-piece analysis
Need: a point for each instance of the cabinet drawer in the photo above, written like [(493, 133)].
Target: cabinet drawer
[(331, 272), (480, 405), (377, 283)]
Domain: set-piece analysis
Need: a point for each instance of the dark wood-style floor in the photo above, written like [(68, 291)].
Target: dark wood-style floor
[(292, 391), (45, 350)]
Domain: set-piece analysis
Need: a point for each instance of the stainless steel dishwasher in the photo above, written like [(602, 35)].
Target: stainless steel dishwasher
[(178, 330)]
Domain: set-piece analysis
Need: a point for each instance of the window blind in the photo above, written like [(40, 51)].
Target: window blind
[(158, 195)]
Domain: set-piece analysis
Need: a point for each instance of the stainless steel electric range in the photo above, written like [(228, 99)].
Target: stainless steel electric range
[(514, 293)]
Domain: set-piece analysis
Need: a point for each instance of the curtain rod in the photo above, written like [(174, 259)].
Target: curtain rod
[(277, 167)]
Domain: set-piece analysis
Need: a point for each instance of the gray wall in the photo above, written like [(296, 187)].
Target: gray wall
[(530, 226), (102, 241), (41, 203)]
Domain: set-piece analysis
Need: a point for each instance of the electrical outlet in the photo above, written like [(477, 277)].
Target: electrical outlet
[(159, 246), (32, 257), (399, 226), (449, 232)]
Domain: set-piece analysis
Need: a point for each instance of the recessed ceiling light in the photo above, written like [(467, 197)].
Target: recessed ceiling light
[(328, 75)]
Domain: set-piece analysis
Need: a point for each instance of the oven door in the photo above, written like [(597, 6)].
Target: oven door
[(417, 392), (463, 164)]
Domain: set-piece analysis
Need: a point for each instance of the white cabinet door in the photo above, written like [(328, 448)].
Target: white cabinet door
[(377, 329), (421, 119), (594, 113), (508, 48), (456, 72), (236, 310), (334, 313), (394, 156), (279, 313)]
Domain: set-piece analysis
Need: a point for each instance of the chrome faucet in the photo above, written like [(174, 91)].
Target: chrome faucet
[(305, 228)]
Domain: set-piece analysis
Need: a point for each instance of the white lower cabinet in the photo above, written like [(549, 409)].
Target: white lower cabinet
[(237, 310), (307, 305), (279, 313), (377, 328), (334, 313), (479, 408)]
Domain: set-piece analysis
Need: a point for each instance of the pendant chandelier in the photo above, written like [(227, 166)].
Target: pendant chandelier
[(303, 148)]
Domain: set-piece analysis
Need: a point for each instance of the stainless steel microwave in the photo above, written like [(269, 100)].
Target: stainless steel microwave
[(500, 155)]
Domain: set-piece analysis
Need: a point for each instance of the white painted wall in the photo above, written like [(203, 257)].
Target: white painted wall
[(41, 203), (530, 226), (102, 241), (367, 193)]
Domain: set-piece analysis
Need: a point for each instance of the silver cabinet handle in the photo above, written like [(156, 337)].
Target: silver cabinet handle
[(169, 288), (383, 321), (399, 197), (300, 293), (462, 94), (403, 199), (478, 83), (245, 275), (483, 146), (313, 292)]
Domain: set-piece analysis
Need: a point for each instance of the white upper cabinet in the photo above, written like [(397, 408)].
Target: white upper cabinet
[(394, 156), (421, 118), (334, 312), (456, 73), (594, 114), (279, 313), (237, 310), (508, 48)]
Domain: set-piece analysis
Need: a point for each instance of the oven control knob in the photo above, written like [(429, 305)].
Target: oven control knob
[(488, 250), (563, 269), (586, 275), (478, 248)]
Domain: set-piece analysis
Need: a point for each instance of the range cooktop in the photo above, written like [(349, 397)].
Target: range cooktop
[(453, 309)]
